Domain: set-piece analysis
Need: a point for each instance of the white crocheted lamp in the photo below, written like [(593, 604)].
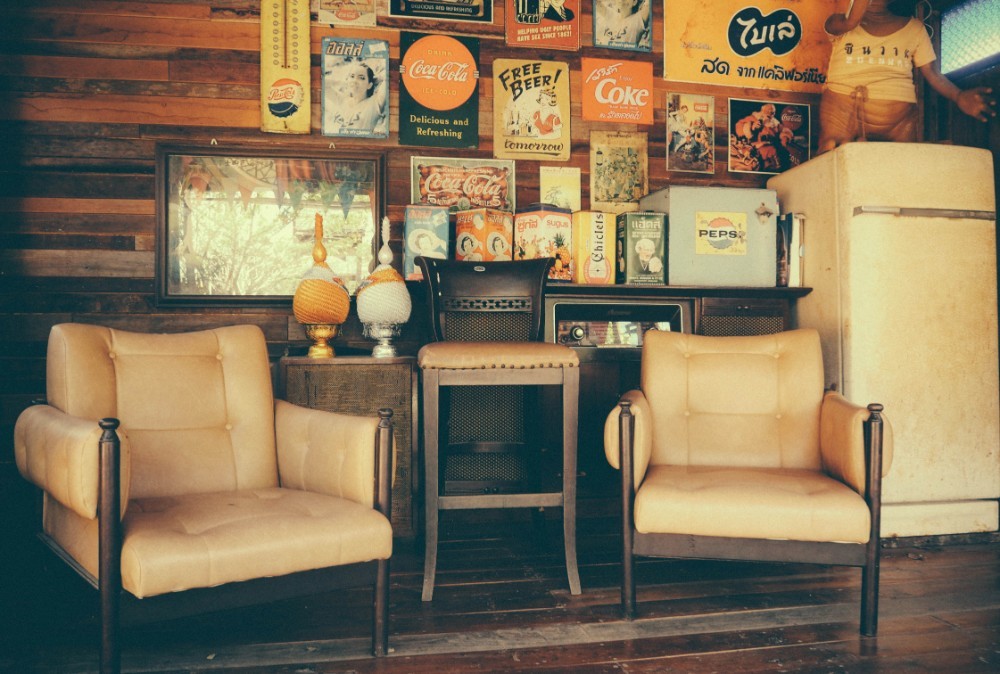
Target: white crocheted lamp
[(383, 301)]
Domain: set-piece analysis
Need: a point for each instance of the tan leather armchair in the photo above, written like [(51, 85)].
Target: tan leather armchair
[(732, 450), (220, 484)]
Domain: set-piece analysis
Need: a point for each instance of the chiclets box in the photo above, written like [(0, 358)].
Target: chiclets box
[(641, 238), (544, 230), (483, 235), (593, 248), (719, 236), (425, 232)]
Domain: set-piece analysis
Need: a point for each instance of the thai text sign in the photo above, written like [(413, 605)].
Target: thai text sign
[(765, 44)]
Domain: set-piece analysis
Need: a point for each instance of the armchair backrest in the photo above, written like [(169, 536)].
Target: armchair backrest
[(734, 401), (197, 407), (485, 301)]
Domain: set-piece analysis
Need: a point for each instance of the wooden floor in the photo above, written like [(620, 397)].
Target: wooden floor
[(501, 605)]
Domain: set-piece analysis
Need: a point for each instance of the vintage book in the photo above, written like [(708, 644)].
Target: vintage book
[(345, 12), (617, 90), (691, 133), (483, 234), (438, 90), (544, 230), (593, 247), (531, 110), (461, 184), (355, 87), (641, 240), (719, 236), (425, 232), (790, 252), (560, 185), (619, 170), (625, 24), (542, 24)]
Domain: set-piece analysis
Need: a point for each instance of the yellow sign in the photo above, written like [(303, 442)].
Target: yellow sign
[(285, 99), (764, 44)]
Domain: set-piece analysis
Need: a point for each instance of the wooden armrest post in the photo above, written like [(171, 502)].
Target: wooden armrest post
[(110, 545), (626, 431), (383, 502), (873, 492)]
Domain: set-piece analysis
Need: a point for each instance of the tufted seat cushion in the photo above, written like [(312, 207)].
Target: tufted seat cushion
[(774, 503), (491, 355)]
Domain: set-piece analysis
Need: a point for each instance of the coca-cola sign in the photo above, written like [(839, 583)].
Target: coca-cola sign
[(460, 184)]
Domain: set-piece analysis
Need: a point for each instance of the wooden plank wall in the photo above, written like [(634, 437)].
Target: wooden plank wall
[(88, 91)]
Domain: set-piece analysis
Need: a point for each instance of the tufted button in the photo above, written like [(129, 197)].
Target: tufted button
[(112, 355), (218, 356), (687, 413), (777, 355), (777, 416), (229, 427)]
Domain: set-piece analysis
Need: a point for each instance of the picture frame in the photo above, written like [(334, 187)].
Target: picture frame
[(236, 226)]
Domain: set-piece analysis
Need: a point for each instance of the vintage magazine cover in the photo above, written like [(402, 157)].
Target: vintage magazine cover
[(691, 133), (619, 170), (768, 44), (618, 90), (547, 24), (438, 90), (560, 186), (355, 87), (626, 24), (767, 136), (480, 11), (345, 12), (461, 184), (531, 111)]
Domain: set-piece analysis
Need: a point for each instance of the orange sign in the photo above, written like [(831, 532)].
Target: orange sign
[(617, 90), (439, 72)]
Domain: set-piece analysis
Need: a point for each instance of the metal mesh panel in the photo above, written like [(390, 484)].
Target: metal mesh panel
[(740, 326), (485, 467), (969, 33), (486, 414), (487, 326)]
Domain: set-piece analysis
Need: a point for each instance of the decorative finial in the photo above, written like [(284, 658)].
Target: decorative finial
[(384, 252), (319, 250)]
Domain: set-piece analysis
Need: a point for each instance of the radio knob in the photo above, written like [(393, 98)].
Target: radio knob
[(577, 333)]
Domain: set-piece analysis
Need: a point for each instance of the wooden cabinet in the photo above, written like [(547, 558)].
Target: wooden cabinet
[(362, 385)]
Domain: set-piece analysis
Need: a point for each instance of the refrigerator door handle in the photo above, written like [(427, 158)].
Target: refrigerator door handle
[(927, 212)]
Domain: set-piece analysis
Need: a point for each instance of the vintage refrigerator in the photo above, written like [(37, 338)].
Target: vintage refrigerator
[(900, 252)]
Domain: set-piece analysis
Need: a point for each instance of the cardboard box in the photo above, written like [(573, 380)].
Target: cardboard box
[(593, 247), (544, 230), (719, 236), (425, 232), (483, 234), (640, 248)]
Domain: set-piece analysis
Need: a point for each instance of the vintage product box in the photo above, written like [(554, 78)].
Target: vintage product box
[(544, 230), (719, 236), (425, 232), (593, 247), (483, 234), (640, 248)]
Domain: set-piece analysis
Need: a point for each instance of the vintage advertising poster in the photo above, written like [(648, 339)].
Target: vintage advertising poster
[(619, 170), (547, 24), (626, 24), (691, 133), (345, 12), (438, 90), (480, 11), (767, 136), (355, 87), (559, 186), (285, 99), (765, 44), (461, 184), (618, 90), (531, 112)]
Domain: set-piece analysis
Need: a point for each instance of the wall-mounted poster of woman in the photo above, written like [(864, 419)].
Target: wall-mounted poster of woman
[(355, 87), (623, 24)]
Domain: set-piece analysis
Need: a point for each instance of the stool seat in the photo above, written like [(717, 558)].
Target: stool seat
[(490, 355)]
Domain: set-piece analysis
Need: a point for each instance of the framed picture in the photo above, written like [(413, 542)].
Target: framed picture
[(623, 24), (237, 226), (461, 184), (690, 133), (767, 136)]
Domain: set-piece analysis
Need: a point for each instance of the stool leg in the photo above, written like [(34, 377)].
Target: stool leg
[(570, 404), (431, 417)]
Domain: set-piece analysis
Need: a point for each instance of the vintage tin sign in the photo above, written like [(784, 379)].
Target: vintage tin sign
[(531, 111), (546, 24), (617, 90), (461, 184)]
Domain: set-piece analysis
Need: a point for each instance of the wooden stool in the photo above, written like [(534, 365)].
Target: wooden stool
[(464, 294)]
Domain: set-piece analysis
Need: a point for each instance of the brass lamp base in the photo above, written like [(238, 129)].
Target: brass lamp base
[(321, 334)]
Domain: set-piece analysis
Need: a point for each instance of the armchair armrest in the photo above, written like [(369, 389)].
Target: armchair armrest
[(642, 437), (329, 453), (842, 440), (60, 454)]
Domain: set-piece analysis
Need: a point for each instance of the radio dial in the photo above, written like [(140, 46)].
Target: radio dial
[(577, 333)]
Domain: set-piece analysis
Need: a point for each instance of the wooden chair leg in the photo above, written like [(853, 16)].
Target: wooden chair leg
[(380, 631), (570, 403), (873, 434), (110, 546), (431, 393), (869, 592), (625, 429)]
